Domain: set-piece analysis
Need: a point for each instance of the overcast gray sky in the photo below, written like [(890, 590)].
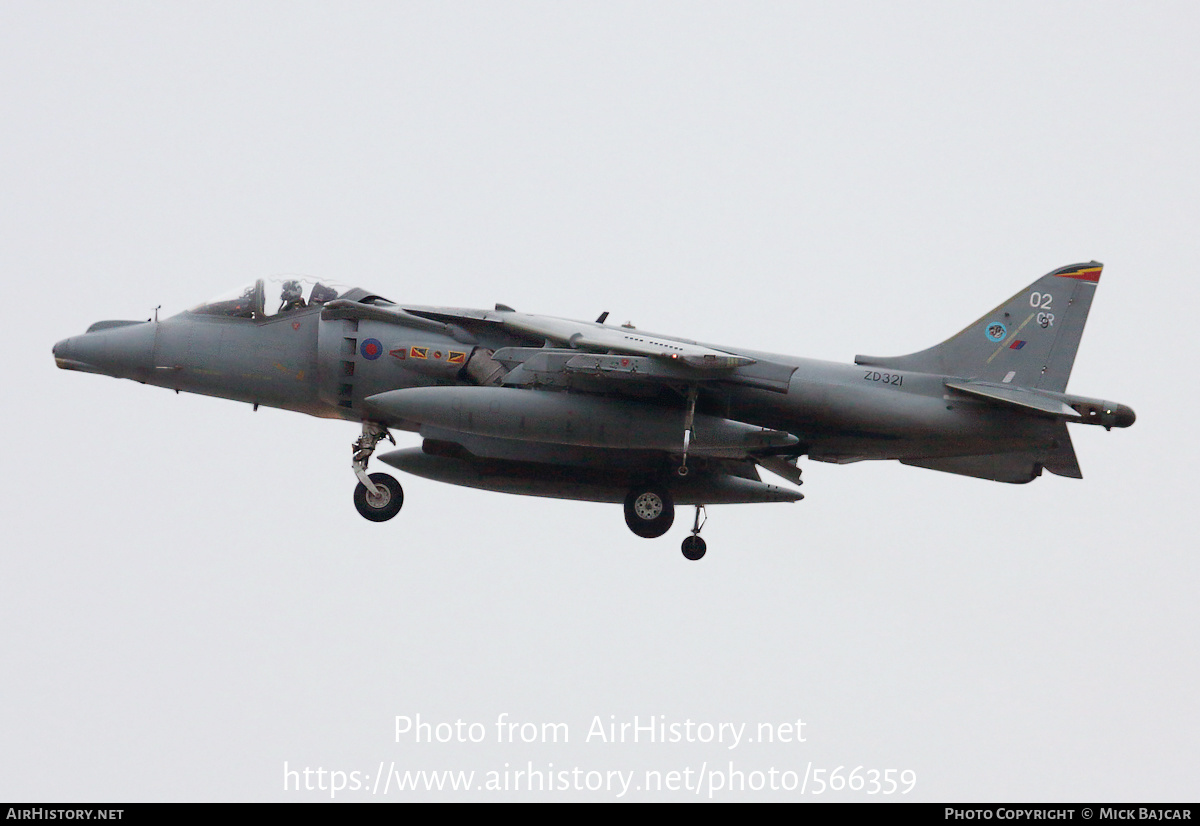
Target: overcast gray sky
[(190, 600)]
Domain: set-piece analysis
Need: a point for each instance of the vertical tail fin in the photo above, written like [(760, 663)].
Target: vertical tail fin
[(1029, 341)]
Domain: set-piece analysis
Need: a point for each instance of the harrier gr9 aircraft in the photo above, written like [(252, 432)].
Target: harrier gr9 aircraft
[(543, 406)]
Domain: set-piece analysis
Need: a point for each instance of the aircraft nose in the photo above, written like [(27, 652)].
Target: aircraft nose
[(68, 355), (121, 349)]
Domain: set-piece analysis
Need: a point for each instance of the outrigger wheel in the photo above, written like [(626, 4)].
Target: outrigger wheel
[(384, 503), (693, 546), (649, 511)]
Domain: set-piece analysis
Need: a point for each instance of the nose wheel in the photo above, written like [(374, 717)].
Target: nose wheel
[(693, 546), (381, 504), (379, 496)]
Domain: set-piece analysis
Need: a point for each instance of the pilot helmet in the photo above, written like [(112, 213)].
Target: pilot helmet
[(291, 290)]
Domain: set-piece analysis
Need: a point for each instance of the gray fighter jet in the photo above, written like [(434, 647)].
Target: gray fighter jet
[(543, 406)]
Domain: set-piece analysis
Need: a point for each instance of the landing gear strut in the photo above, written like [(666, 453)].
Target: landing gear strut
[(693, 546), (688, 423), (377, 497)]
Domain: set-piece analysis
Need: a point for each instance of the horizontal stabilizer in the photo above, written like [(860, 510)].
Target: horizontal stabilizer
[(1015, 396)]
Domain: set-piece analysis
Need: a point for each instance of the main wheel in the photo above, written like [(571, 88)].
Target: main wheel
[(384, 505), (694, 547), (649, 511)]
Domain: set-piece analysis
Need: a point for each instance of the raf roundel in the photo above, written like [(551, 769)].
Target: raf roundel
[(371, 349)]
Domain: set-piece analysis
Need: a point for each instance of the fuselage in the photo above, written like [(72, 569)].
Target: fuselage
[(329, 367), (544, 406)]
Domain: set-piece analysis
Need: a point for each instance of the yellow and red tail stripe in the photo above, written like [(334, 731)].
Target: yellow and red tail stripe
[(1084, 274)]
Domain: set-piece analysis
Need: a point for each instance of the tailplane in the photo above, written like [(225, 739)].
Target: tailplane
[(1028, 341)]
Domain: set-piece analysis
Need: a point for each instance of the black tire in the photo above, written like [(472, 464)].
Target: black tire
[(649, 511), (694, 547), (386, 506)]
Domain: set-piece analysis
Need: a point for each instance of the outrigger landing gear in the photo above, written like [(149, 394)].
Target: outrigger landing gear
[(688, 423), (693, 546), (379, 496)]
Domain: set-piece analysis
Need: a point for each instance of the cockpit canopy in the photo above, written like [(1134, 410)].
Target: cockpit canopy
[(268, 297)]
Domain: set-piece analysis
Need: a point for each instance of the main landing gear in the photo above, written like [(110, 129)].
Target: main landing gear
[(650, 511), (379, 496)]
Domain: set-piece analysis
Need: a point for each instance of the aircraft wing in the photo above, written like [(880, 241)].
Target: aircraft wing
[(591, 337), (563, 348), (598, 338), (543, 367)]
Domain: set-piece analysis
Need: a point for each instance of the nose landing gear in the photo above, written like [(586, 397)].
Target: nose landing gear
[(377, 497), (384, 503)]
